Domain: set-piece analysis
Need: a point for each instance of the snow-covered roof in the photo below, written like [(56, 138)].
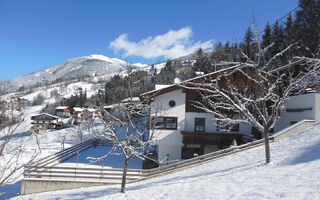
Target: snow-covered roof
[(50, 115), (91, 109), (61, 107), (113, 105), (160, 86), (131, 99), (199, 73), (109, 106), (77, 109)]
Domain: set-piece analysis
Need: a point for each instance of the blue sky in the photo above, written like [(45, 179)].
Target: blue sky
[(35, 34)]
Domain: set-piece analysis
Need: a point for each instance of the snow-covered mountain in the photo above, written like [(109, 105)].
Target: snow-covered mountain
[(93, 65)]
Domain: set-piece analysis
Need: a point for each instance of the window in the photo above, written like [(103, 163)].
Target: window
[(187, 153), (235, 128), (165, 123), (172, 103), (221, 126), (199, 124), (292, 122)]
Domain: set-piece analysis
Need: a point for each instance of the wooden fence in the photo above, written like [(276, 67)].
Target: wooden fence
[(46, 170), (88, 174), (63, 155)]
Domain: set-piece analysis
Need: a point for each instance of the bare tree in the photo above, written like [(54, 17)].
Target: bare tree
[(13, 156), (254, 91), (127, 126), (2, 87), (62, 139)]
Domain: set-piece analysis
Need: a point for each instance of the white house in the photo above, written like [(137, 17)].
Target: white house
[(180, 130), (299, 107)]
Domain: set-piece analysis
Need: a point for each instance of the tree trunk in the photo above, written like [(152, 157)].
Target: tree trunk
[(124, 176), (267, 144)]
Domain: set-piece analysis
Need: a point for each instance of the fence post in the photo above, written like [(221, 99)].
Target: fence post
[(50, 173)]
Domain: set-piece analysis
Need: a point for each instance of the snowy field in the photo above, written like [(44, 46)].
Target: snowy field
[(293, 174)]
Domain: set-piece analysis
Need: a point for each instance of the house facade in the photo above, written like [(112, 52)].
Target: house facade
[(63, 111), (180, 131), (300, 107), (44, 121)]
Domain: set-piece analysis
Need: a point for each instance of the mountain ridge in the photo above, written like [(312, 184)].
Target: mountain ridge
[(92, 65)]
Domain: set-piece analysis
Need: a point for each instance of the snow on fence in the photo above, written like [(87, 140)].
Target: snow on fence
[(293, 129), (44, 170), (107, 175), (64, 154)]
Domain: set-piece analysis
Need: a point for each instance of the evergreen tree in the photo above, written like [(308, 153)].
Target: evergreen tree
[(202, 62), (288, 36), (247, 45), (278, 40), (235, 56), (307, 27), (221, 53), (227, 48), (288, 30), (266, 38)]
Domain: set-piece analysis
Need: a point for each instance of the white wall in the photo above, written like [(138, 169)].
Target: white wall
[(174, 152), (317, 108), (210, 124), (210, 148), (169, 141), (296, 102)]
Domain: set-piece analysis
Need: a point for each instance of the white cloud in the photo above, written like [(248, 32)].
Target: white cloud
[(172, 44)]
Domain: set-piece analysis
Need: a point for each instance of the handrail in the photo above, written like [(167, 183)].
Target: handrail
[(63, 152), (293, 129), (86, 168)]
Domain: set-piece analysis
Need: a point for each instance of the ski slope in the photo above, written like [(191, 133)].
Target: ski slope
[(293, 174)]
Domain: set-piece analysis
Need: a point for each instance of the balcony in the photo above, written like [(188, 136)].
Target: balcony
[(211, 138)]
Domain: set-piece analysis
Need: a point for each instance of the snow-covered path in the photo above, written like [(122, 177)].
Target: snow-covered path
[(293, 174)]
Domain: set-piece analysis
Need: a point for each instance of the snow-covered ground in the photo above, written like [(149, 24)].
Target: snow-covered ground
[(293, 174), (48, 143), (113, 161), (30, 145)]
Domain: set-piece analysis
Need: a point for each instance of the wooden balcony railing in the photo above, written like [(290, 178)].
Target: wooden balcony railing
[(211, 138)]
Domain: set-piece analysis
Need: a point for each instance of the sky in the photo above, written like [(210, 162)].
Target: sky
[(35, 34)]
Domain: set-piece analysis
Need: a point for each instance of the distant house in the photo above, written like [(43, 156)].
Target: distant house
[(114, 108), (129, 100), (95, 112), (63, 111), (77, 112), (43, 118), (45, 121)]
